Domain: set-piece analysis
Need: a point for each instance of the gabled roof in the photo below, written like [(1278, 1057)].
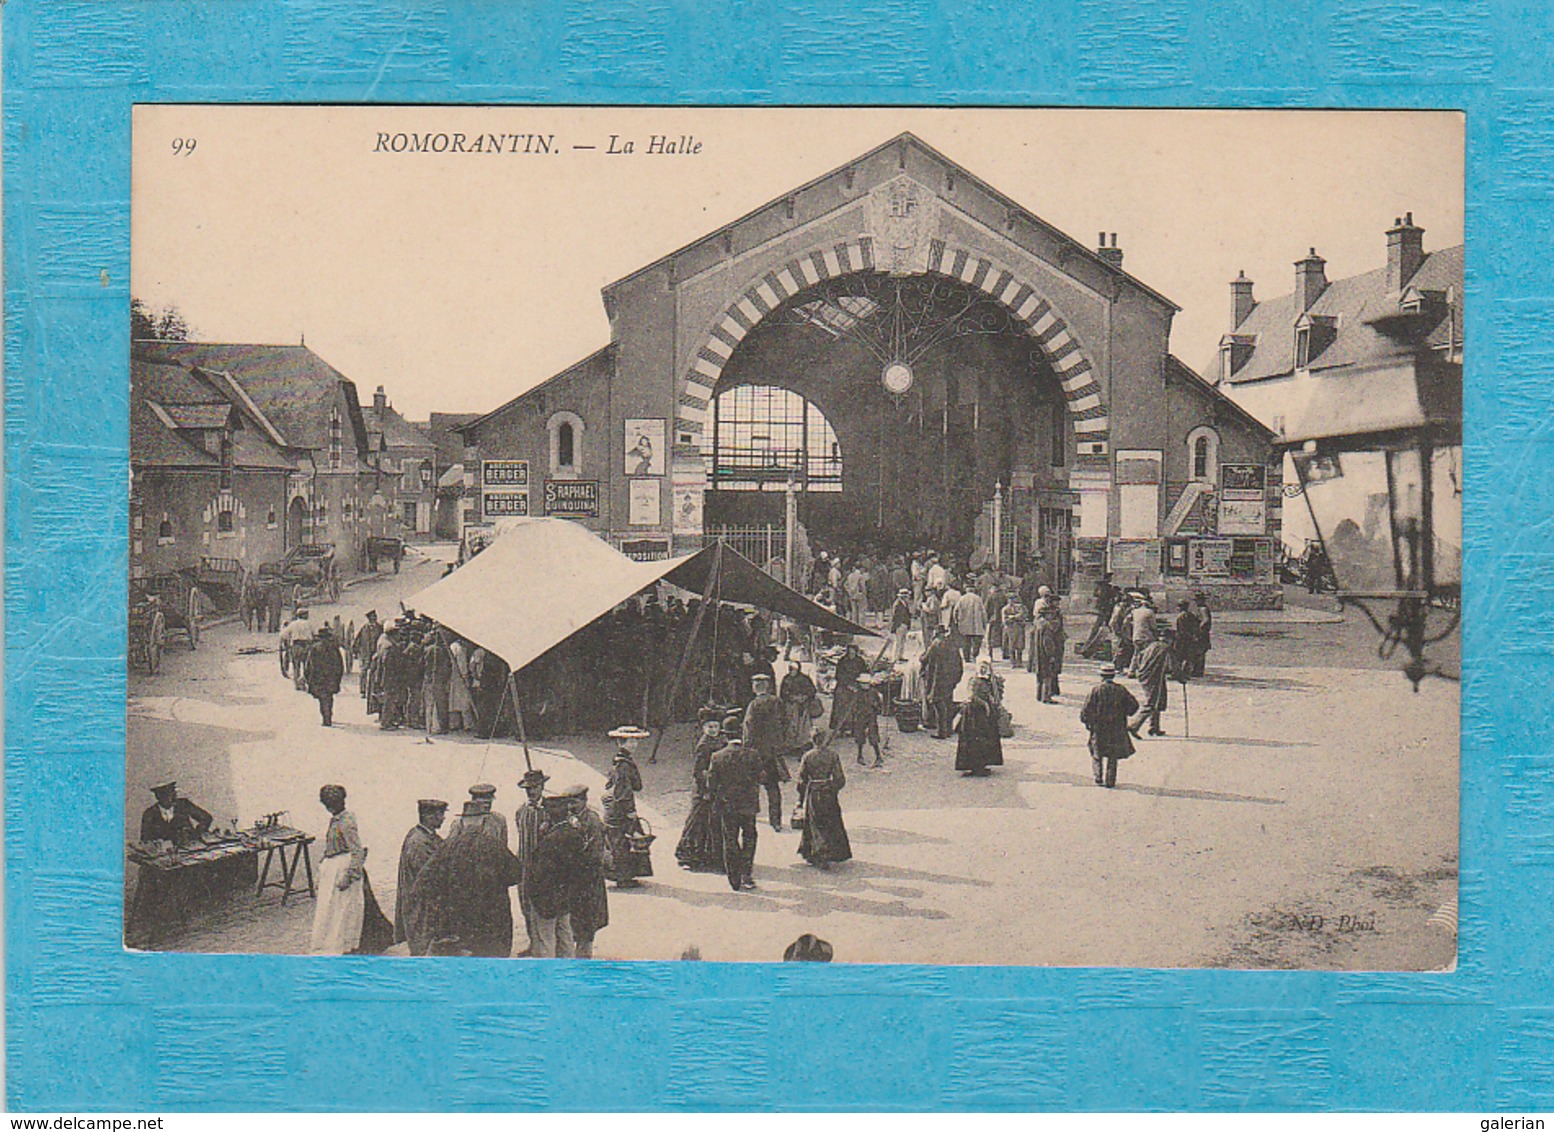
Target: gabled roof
[(394, 429), (156, 444), (962, 175), (594, 361), (167, 433), (1357, 304), (291, 386), (1181, 371)]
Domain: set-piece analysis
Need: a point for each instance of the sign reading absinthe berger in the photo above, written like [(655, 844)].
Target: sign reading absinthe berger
[(505, 488)]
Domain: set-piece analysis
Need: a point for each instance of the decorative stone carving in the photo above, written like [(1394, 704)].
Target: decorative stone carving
[(903, 219)]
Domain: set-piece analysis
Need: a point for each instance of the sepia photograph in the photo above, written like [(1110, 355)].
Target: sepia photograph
[(1019, 537)]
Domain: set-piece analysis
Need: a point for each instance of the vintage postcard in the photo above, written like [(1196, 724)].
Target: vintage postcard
[(1019, 537)]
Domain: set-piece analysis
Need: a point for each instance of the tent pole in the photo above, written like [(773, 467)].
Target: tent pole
[(690, 644), (512, 688)]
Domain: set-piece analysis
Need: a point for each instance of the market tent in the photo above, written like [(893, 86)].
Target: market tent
[(542, 580), (744, 583)]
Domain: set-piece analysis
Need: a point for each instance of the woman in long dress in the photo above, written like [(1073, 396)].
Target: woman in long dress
[(620, 809), (701, 842), (1050, 639), (979, 745), (347, 919), (821, 778)]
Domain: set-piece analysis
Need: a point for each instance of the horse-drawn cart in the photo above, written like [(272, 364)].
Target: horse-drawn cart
[(307, 573), (381, 548), (160, 607), (222, 581)]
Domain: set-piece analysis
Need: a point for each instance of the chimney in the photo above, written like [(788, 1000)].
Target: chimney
[(1405, 251), (1241, 301), (1111, 254), (379, 401), (1310, 279)]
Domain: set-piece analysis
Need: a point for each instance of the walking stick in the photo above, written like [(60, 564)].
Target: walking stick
[(512, 687), (1186, 713)]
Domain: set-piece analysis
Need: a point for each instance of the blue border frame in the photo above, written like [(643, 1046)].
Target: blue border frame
[(89, 1027)]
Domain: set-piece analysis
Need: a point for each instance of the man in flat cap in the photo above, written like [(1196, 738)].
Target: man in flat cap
[(419, 847), (734, 780), (479, 815), (462, 891), (171, 818), (765, 735), (526, 837), (295, 640)]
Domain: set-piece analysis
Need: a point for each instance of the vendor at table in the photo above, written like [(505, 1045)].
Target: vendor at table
[(172, 818)]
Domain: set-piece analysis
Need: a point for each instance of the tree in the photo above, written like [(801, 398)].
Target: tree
[(166, 324)]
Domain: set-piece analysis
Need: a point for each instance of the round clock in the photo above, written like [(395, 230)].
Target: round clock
[(897, 378)]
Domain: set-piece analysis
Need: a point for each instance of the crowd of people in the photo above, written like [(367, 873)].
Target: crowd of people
[(662, 661), (452, 893)]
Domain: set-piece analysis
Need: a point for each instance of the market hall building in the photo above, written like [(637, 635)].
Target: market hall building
[(924, 363)]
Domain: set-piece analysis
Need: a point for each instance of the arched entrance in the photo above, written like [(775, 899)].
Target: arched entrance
[(940, 398), (296, 516)]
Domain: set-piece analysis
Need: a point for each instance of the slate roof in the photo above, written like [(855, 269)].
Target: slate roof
[(1355, 302), (171, 404), (154, 445), (291, 385), (394, 429)]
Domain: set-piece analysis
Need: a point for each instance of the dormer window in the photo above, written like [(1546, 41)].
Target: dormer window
[(1313, 334), (1234, 352)]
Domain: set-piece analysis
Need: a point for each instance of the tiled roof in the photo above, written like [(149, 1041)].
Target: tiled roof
[(153, 444), (1355, 303), (291, 385)]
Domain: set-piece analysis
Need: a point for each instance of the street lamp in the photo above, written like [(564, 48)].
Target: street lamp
[(1397, 431)]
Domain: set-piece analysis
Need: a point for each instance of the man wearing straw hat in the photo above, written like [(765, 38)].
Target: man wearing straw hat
[(1105, 715)]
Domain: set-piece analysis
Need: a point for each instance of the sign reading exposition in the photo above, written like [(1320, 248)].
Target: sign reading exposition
[(572, 499)]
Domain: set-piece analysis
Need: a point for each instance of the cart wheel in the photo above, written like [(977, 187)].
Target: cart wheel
[(156, 635), (194, 619)]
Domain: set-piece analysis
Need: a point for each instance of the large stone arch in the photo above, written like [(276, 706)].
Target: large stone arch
[(1076, 373)]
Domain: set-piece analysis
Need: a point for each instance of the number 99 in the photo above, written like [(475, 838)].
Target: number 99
[(182, 147)]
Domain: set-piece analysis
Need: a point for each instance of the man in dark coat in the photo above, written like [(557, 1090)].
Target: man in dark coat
[(1106, 596), (419, 847), (589, 899), (172, 818), (734, 780), (942, 670), (1186, 647), (461, 893), (765, 735), (324, 671), (1105, 715), (552, 876), (848, 669), (1154, 672), (366, 645)]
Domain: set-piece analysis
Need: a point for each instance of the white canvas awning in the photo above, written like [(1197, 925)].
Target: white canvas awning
[(542, 580)]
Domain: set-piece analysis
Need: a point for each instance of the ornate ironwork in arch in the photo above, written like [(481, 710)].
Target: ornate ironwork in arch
[(901, 318)]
